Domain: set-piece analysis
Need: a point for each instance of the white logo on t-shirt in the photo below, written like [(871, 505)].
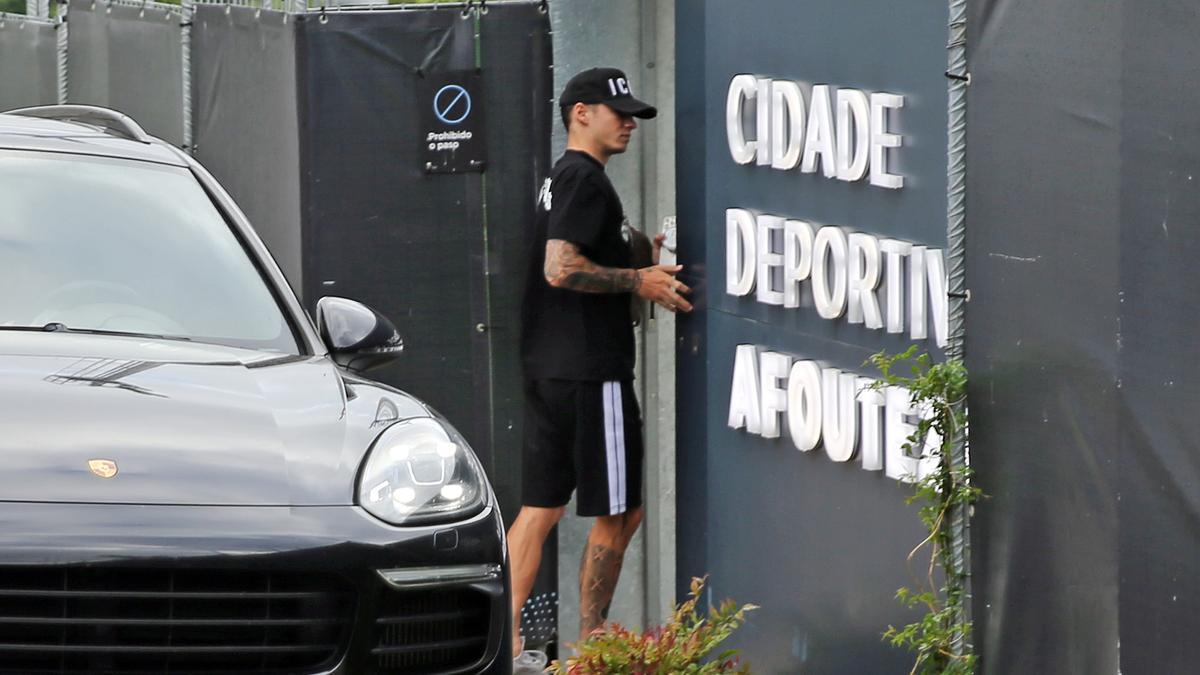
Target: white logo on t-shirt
[(545, 196)]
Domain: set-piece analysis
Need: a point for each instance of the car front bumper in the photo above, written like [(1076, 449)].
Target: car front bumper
[(378, 565)]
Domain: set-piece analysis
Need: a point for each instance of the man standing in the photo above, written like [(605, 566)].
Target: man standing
[(582, 423)]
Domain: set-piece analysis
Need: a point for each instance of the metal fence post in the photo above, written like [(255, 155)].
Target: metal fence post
[(956, 172)]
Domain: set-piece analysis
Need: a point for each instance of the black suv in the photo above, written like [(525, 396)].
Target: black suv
[(194, 477)]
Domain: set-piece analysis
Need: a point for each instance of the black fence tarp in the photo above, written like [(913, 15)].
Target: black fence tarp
[(439, 253), (1084, 167)]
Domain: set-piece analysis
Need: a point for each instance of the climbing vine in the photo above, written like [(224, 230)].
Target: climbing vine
[(941, 638)]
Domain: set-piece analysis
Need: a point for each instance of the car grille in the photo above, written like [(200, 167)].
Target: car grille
[(431, 631), (108, 620)]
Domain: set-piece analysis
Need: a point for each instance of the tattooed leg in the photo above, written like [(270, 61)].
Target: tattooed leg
[(597, 581), (600, 567)]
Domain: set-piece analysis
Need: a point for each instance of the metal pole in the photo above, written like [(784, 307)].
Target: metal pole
[(61, 49), (958, 79), (188, 14)]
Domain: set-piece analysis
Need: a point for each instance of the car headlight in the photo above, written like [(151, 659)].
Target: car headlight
[(420, 472)]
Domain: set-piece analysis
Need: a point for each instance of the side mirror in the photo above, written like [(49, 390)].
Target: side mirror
[(358, 337)]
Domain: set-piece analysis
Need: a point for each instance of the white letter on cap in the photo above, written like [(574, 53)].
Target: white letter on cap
[(882, 139), (839, 426), (830, 300), (768, 260), (818, 139), (787, 105), (772, 369), (742, 88), (739, 252), (863, 306), (797, 259), (744, 409), (804, 405), (853, 144)]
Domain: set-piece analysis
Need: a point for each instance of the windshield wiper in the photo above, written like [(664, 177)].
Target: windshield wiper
[(58, 327)]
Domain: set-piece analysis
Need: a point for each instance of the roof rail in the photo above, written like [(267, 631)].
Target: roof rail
[(110, 120)]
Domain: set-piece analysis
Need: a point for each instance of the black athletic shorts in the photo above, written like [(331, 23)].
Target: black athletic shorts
[(585, 435)]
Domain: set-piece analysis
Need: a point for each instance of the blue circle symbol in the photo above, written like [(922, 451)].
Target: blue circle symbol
[(452, 104)]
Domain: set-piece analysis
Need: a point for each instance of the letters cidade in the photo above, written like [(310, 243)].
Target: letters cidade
[(773, 392), (844, 132)]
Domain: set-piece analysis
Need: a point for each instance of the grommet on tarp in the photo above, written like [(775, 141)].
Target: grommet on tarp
[(483, 7), (323, 18), (544, 6), (466, 10)]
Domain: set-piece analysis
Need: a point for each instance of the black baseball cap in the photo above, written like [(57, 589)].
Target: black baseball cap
[(608, 86)]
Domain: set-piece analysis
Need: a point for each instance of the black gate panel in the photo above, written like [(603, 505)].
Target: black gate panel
[(518, 86), (1084, 159), (439, 253)]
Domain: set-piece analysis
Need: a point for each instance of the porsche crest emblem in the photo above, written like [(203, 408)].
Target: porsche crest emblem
[(104, 468)]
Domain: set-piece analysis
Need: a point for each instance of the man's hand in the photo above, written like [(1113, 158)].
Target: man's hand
[(659, 285), (567, 268)]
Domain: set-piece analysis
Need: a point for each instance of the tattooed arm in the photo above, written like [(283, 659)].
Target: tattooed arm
[(567, 268)]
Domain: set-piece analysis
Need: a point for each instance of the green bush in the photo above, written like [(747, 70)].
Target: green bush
[(682, 645), (941, 639)]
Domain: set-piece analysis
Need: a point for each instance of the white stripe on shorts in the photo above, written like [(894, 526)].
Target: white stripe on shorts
[(614, 444)]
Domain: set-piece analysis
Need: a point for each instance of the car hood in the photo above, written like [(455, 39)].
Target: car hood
[(182, 423)]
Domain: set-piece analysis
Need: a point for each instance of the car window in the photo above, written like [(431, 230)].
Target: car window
[(120, 245)]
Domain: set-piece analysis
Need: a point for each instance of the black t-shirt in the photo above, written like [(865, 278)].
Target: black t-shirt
[(569, 335)]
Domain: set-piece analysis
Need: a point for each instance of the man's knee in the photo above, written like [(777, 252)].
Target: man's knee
[(540, 517), (617, 530), (633, 519)]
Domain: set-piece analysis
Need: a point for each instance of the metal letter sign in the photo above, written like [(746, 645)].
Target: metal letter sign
[(452, 123)]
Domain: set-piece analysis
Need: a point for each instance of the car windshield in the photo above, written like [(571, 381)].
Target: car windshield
[(102, 244)]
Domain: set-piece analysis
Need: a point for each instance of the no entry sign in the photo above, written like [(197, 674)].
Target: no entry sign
[(453, 123)]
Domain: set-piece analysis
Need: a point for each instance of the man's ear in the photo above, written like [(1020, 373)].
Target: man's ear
[(580, 113)]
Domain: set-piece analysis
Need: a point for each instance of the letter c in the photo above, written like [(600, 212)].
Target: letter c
[(742, 88)]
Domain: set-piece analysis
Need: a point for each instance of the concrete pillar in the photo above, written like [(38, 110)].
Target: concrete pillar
[(636, 36)]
